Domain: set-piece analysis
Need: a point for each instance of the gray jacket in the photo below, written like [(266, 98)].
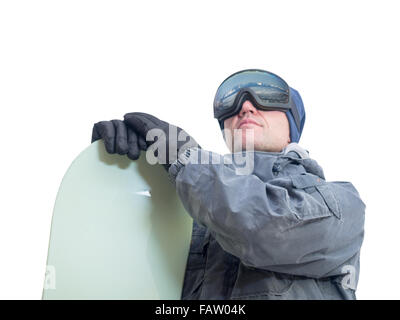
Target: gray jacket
[(279, 231)]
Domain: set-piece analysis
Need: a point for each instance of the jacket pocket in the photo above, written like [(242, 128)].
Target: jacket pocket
[(321, 192), (252, 283)]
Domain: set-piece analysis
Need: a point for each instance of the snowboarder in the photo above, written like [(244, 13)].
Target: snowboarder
[(278, 231)]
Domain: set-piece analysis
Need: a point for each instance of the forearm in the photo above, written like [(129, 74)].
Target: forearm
[(273, 225)]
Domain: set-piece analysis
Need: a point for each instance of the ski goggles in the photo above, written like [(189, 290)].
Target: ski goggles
[(265, 90)]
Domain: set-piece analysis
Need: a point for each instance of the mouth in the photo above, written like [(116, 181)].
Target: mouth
[(248, 122)]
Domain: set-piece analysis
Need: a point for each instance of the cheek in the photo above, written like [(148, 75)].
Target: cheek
[(277, 120), (283, 122), (228, 123), (281, 128)]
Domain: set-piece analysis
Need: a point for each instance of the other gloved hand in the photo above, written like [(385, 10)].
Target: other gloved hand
[(176, 139), (118, 138)]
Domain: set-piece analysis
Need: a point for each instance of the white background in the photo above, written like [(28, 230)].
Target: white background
[(67, 64)]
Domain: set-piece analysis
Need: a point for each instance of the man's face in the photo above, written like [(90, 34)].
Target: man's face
[(270, 129)]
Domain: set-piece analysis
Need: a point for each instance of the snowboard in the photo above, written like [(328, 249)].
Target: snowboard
[(118, 231)]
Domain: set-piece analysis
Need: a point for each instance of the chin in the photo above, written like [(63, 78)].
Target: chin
[(249, 142), (245, 145)]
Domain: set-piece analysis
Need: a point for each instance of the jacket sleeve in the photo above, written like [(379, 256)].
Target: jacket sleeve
[(298, 224)]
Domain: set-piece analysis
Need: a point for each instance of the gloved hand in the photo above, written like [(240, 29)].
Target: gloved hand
[(118, 138), (142, 123)]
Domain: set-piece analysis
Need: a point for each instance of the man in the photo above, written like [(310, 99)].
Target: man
[(276, 230)]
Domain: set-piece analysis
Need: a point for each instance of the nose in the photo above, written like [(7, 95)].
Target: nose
[(247, 106)]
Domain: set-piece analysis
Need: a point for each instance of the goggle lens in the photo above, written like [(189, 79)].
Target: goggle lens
[(268, 88)]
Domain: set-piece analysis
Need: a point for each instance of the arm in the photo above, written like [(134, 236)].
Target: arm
[(296, 224)]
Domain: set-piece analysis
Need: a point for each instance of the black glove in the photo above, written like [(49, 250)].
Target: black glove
[(118, 138), (143, 122)]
